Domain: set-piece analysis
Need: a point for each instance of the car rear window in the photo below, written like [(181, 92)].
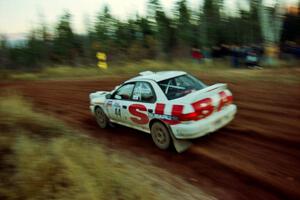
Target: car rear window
[(180, 86)]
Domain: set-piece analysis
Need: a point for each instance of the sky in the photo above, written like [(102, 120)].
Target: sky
[(19, 16)]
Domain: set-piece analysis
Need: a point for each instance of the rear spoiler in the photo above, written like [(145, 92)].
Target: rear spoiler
[(218, 86), (205, 92)]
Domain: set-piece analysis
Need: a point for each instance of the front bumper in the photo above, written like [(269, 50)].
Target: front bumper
[(92, 108), (202, 127)]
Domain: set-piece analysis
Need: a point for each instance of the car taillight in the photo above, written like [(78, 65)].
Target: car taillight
[(230, 99), (188, 117), (202, 109), (226, 99)]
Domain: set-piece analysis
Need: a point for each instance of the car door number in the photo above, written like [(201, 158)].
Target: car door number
[(118, 112)]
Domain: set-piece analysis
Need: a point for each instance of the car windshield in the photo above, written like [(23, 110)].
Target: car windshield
[(180, 86)]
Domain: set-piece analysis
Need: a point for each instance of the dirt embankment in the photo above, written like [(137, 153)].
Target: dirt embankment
[(257, 156)]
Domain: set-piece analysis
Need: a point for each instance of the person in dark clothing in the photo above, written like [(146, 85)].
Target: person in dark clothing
[(235, 56)]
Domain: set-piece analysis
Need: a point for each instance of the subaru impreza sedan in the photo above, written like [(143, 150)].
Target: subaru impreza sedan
[(172, 106)]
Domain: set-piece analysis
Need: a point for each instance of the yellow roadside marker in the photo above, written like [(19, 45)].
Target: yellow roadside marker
[(102, 60), (101, 56), (102, 65)]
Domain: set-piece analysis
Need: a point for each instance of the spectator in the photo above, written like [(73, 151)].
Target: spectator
[(235, 56), (197, 54)]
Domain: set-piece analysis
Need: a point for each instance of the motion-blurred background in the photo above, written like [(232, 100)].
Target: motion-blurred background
[(54, 53), (36, 34)]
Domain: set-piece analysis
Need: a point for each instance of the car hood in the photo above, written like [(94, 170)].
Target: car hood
[(98, 97)]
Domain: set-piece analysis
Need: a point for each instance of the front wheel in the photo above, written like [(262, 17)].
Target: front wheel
[(101, 118), (160, 135)]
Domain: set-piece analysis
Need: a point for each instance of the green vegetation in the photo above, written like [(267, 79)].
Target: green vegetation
[(158, 35), (42, 158), (219, 70), (132, 68)]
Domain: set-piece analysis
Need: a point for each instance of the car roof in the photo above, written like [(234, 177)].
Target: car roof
[(156, 76)]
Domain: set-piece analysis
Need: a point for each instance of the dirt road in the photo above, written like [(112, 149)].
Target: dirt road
[(257, 156)]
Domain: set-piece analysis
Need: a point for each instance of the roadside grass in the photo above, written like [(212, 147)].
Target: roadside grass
[(218, 68), (127, 68), (42, 158)]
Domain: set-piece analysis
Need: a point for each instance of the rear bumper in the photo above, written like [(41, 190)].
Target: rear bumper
[(202, 127)]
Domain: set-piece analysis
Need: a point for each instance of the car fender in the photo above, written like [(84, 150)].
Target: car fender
[(180, 145), (98, 99)]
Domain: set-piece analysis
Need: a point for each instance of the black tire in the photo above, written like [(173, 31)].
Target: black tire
[(101, 118), (161, 136)]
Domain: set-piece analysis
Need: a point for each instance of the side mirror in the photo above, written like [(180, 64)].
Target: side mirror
[(118, 97), (108, 96)]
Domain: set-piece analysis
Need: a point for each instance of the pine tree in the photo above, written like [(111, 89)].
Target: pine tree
[(65, 47), (184, 27), (104, 30), (210, 22)]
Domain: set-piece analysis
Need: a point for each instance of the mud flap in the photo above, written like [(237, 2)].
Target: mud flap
[(180, 145), (111, 125)]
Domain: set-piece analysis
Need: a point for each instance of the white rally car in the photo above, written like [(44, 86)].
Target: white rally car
[(172, 106)]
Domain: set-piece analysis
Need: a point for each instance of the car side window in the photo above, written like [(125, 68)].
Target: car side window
[(124, 92), (143, 92)]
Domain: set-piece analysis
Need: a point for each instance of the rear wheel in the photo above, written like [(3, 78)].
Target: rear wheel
[(160, 135), (101, 118)]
